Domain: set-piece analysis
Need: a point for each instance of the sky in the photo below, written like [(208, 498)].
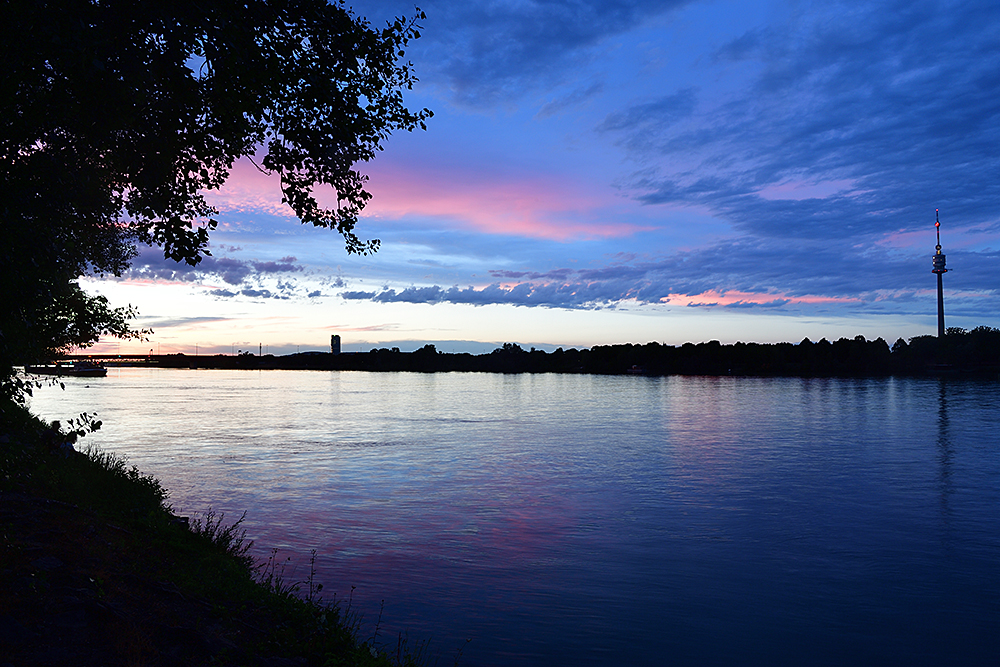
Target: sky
[(613, 171)]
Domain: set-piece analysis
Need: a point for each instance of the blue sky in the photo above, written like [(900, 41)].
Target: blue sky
[(609, 171)]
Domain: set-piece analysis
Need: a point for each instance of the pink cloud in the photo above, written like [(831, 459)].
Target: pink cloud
[(523, 205), (248, 190), (732, 297)]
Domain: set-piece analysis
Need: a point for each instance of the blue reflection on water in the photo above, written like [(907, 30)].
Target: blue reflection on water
[(593, 520)]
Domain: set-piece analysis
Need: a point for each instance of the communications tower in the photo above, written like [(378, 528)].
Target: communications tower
[(940, 271)]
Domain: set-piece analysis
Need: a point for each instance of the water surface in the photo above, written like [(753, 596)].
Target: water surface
[(567, 520)]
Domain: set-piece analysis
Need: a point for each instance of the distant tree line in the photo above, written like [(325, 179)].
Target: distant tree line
[(959, 351)]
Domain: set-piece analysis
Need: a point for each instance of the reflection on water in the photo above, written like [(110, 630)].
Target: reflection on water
[(945, 451), (594, 520)]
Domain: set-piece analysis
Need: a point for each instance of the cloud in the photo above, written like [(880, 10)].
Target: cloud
[(175, 322), (655, 115), (814, 148), (283, 265), (572, 99), (852, 127), (151, 265), (744, 273), (251, 293), (775, 303), (262, 294), (554, 274), (522, 294), (534, 205), (485, 55), (248, 190), (358, 295)]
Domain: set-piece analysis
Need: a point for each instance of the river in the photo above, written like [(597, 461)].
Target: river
[(595, 520)]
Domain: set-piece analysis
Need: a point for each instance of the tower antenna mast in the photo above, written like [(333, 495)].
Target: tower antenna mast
[(940, 270)]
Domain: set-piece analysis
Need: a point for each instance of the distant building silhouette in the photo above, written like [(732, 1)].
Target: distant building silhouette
[(335, 344)]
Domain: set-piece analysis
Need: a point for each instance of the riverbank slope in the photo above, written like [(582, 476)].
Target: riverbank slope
[(97, 571)]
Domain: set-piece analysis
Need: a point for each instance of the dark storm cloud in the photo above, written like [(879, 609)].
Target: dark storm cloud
[(895, 105)]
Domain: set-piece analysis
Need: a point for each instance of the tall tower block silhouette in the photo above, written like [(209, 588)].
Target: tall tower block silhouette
[(940, 271)]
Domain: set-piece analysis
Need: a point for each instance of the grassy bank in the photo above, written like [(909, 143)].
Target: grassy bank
[(96, 570)]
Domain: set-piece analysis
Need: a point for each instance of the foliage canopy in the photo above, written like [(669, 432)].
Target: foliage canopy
[(119, 115)]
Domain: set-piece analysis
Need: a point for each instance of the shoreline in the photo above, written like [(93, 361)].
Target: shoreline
[(974, 352)]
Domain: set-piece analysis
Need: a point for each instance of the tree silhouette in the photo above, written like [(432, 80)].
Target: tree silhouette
[(119, 115)]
